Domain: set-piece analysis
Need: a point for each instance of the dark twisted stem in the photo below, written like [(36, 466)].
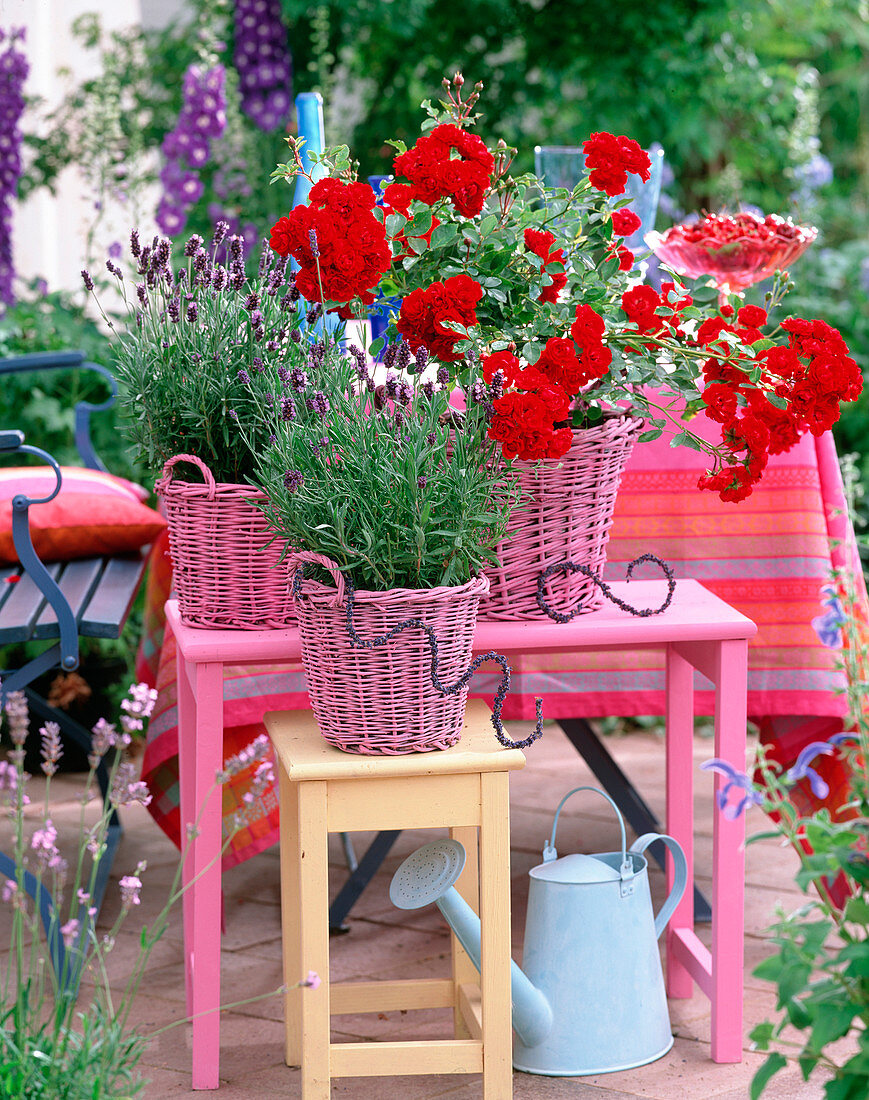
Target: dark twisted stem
[(566, 567), (384, 639)]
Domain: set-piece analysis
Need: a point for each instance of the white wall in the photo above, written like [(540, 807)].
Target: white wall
[(50, 233)]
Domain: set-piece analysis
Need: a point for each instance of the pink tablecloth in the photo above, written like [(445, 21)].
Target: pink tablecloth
[(767, 556)]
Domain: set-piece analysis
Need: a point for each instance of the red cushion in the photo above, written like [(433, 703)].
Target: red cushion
[(92, 515)]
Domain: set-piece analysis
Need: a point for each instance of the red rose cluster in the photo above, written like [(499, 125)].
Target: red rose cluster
[(540, 242), (609, 159), (525, 418), (351, 243), (435, 174), (424, 311), (813, 373), (396, 200), (654, 313)]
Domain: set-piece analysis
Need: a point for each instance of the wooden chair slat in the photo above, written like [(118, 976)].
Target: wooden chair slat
[(21, 609), (78, 581), (109, 606), (6, 586)]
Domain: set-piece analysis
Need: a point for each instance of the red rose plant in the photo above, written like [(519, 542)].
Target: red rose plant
[(527, 299)]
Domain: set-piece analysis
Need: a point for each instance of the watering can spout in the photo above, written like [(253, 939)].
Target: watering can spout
[(427, 876)]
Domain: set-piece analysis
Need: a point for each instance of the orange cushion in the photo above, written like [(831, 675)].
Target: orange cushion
[(92, 515)]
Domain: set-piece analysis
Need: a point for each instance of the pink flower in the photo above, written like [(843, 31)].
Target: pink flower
[(255, 751), (10, 889), (69, 931), (51, 748), (138, 705), (130, 887), (312, 981), (8, 776), (126, 789)]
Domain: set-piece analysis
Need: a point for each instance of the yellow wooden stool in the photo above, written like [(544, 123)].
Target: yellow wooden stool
[(464, 789)]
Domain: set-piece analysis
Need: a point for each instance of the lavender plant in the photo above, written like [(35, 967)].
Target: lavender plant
[(195, 337), (388, 480), (54, 1043), (51, 1045)]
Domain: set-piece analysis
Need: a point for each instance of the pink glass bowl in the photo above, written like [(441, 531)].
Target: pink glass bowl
[(737, 250)]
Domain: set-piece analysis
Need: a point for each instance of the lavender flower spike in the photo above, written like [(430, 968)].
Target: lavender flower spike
[(801, 769), (735, 780)]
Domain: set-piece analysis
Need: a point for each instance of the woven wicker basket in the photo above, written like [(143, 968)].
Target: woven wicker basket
[(224, 574), (565, 516), (381, 701)]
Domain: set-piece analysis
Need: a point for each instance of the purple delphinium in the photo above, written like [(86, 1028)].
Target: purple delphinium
[(187, 148), (13, 72), (736, 780), (263, 63)]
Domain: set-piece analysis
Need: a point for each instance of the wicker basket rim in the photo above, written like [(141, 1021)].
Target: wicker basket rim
[(323, 594), (195, 488)]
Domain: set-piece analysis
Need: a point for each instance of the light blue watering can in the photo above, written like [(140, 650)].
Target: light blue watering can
[(591, 998)]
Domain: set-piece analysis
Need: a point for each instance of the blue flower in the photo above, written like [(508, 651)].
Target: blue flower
[(828, 626), (735, 780), (801, 769)]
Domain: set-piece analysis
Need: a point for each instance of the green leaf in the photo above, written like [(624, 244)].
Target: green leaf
[(762, 1034), (421, 223), (832, 1021), (767, 1071), (444, 235), (686, 439), (647, 437), (857, 910), (846, 1088)]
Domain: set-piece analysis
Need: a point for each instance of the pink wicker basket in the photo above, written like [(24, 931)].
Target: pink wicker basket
[(565, 516), (225, 576), (382, 701)]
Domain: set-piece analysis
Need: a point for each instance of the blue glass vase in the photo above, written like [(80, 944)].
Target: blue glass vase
[(564, 165)]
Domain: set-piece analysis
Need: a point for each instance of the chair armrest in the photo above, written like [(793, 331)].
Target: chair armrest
[(30, 562), (67, 360)]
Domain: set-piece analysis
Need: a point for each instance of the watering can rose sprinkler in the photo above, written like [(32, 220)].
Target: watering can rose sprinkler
[(591, 997)]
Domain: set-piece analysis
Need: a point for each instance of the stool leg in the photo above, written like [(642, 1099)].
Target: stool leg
[(495, 936), (291, 916), (463, 970), (313, 938)]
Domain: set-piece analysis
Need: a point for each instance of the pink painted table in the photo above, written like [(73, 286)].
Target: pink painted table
[(698, 631)]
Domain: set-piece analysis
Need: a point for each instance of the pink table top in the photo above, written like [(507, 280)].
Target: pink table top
[(695, 614)]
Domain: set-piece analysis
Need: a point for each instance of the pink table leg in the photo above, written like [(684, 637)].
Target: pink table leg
[(728, 860), (200, 734), (680, 808), (186, 756)]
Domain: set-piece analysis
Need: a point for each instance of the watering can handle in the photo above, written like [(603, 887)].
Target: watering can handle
[(549, 851), (680, 875)]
